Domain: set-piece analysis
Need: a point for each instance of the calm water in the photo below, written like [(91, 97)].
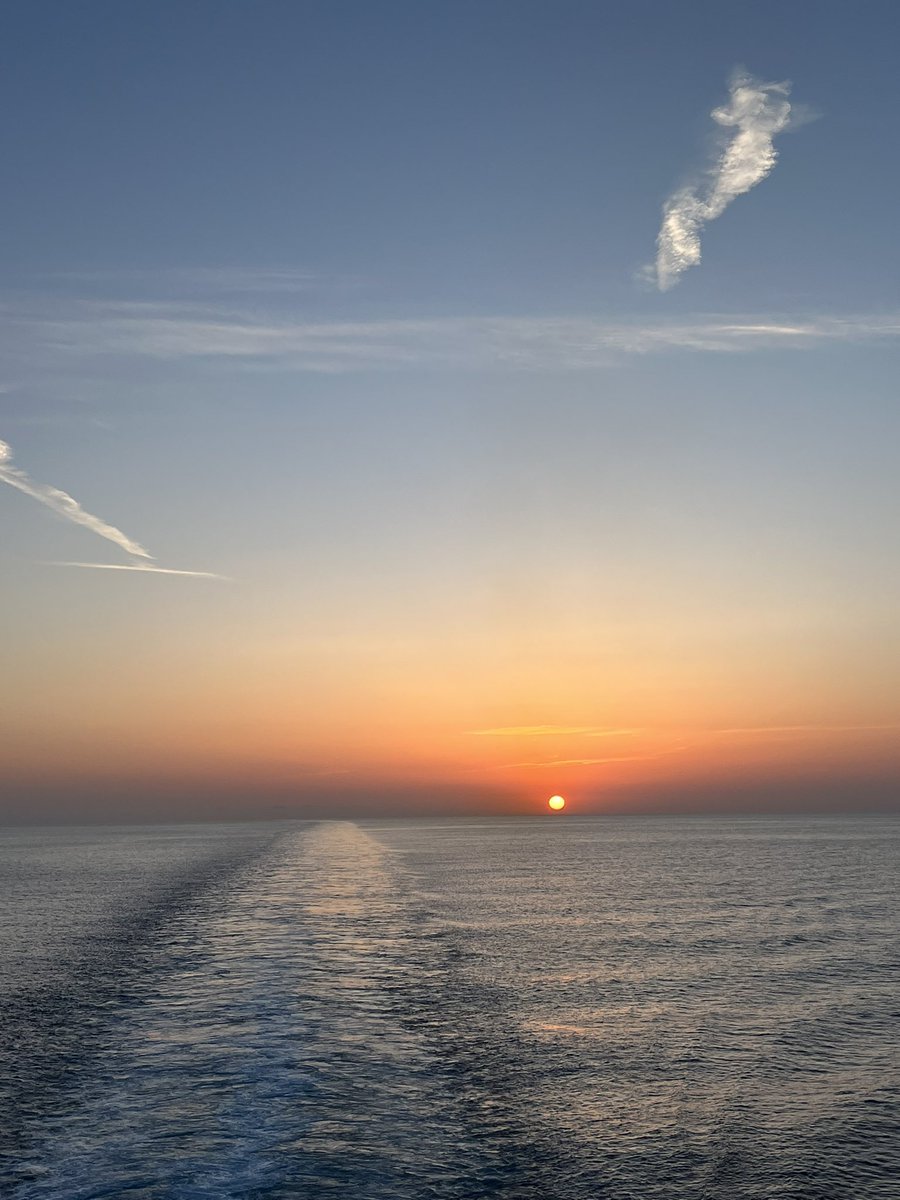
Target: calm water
[(549, 1009)]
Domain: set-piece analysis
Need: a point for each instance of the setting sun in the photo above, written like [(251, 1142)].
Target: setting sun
[(556, 803)]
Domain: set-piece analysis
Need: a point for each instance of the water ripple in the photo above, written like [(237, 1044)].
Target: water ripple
[(611, 1010)]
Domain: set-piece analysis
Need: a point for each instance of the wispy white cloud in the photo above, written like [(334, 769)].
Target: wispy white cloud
[(64, 505), (138, 567), (755, 114), (181, 331)]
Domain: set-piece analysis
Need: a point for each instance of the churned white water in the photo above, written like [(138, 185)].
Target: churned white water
[(631, 1009)]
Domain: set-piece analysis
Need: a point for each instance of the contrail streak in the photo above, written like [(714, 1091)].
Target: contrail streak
[(138, 567), (63, 505), (756, 111)]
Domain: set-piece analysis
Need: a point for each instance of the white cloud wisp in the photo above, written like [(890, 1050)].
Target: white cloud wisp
[(64, 505), (517, 343), (756, 112), (139, 567)]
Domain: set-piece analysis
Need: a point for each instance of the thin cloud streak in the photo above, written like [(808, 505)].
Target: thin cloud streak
[(595, 762), (178, 332), (138, 567), (592, 731), (756, 112), (694, 742), (802, 730), (64, 505)]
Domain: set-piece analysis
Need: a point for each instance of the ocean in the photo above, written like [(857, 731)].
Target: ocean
[(555, 1008)]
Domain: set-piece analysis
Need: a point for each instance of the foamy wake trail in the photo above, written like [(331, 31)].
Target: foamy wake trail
[(264, 1049)]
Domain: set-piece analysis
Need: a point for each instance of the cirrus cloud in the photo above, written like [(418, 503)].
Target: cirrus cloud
[(64, 505)]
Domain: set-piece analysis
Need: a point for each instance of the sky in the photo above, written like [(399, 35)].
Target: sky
[(487, 400)]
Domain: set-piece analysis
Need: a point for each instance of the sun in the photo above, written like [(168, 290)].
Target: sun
[(557, 803)]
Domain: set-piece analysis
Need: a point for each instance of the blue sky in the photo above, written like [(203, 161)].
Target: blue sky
[(484, 155), (343, 302)]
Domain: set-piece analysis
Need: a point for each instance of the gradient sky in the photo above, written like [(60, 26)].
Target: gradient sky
[(348, 303)]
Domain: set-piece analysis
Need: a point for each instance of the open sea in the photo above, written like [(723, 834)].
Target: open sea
[(539, 1009)]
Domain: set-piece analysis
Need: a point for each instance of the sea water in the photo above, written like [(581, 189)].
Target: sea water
[(550, 1009)]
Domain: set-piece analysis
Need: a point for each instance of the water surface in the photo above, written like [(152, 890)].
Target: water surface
[(562, 1007)]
